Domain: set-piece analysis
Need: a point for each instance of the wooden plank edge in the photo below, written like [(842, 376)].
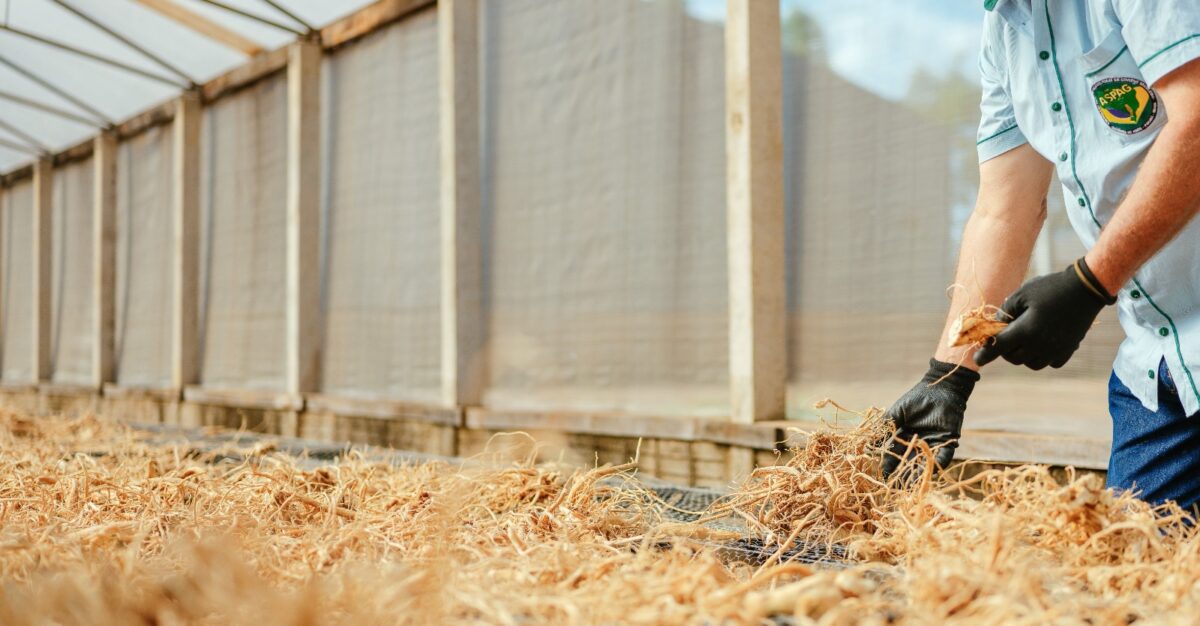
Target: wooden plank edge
[(67, 389), (382, 408), (693, 429), (22, 173), (244, 398), (369, 19), (136, 392)]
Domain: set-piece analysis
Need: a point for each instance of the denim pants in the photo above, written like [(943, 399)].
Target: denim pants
[(1154, 453)]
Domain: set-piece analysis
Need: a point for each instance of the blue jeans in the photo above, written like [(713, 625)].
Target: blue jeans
[(1155, 453)]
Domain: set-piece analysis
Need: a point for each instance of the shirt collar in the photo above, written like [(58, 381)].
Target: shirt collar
[(1018, 13)]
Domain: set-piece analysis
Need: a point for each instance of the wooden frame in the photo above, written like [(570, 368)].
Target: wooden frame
[(43, 227), (754, 187), (462, 345), (303, 217), (185, 266), (104, 257)]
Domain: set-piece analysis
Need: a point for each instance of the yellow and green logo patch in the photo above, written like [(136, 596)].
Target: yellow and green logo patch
[(1126, 104)]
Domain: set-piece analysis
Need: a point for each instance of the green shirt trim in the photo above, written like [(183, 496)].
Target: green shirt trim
[(1155, 55), (1063, 91), (989, 4), (996, 134), (1123, 50)]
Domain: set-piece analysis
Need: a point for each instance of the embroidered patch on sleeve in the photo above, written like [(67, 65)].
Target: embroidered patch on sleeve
[(1126, 104)]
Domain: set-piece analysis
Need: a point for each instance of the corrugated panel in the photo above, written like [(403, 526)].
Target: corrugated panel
[(381, 296), (71, 299), (142, 340), (16, 284), (604, 205), (243, 213)]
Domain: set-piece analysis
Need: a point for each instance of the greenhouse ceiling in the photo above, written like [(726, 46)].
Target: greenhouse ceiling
[(71, 67)]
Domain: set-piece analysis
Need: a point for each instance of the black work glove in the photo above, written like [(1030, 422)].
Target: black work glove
[(1050, 316), (932, 411)]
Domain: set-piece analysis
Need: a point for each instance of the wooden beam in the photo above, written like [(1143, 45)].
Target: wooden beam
[(104, 257), (369, 19), (754, 188), (202, 25), (242, 76), (185, 208), (303, 217), (43, 214), (462, 356)]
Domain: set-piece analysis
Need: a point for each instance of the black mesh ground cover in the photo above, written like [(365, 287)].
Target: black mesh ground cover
[(674, 502)]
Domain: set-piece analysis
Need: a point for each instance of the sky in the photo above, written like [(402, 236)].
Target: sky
[(880, 44)]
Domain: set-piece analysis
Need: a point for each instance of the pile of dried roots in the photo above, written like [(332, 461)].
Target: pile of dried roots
[(99, 526)]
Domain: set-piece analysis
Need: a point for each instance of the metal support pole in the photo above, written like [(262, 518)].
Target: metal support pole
[(46, 108), (24, 136), (290, 15), (128, 42), (93, 56), (12, 145), (56, 90), (252, 16)]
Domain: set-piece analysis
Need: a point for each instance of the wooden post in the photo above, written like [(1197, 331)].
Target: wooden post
[(462, 355), (104, 256), (185, 207), (303, 217), (754, 186), (43, 214)]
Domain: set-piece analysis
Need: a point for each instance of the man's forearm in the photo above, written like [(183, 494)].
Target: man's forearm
[(1166, 194), (999, 237), (992, 262), (1163, 199)]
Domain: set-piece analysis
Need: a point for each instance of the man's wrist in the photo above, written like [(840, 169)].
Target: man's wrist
[(1094, 285), (1105, 276)]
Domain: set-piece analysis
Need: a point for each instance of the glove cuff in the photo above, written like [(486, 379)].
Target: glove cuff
[(1089, 280), (956, 377)]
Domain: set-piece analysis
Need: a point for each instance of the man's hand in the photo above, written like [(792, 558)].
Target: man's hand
[(932, 411), (1050, 316)]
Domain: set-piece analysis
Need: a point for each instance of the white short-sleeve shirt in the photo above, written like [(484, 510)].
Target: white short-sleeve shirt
[(1075, 80)]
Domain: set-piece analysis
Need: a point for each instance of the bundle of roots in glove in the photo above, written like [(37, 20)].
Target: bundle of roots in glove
[(98, 526)]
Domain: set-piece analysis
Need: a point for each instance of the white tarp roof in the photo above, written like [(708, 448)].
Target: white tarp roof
[(112, 92)]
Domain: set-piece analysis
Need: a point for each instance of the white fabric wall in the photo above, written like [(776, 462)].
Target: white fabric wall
[(16, 283), (604, 205), (71, 302), (243, 238), (381, 289), (142, 334)]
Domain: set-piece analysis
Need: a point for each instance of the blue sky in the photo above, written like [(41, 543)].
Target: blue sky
[(880, 44)]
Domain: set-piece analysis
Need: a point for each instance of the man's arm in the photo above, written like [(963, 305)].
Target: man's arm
[(996, 247), (1051, 314), (1165, 196), (999, 237)]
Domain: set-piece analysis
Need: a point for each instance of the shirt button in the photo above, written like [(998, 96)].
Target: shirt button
[(1164, 331), (1082, 202), (1056, 107), (1043, 55), (1135, 294), (1150, 373), (1063, 157)]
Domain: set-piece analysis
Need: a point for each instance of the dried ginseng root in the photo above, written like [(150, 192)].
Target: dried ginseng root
[(974, 328)]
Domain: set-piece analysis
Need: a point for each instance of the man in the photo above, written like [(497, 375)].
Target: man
[(1106, 93)]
